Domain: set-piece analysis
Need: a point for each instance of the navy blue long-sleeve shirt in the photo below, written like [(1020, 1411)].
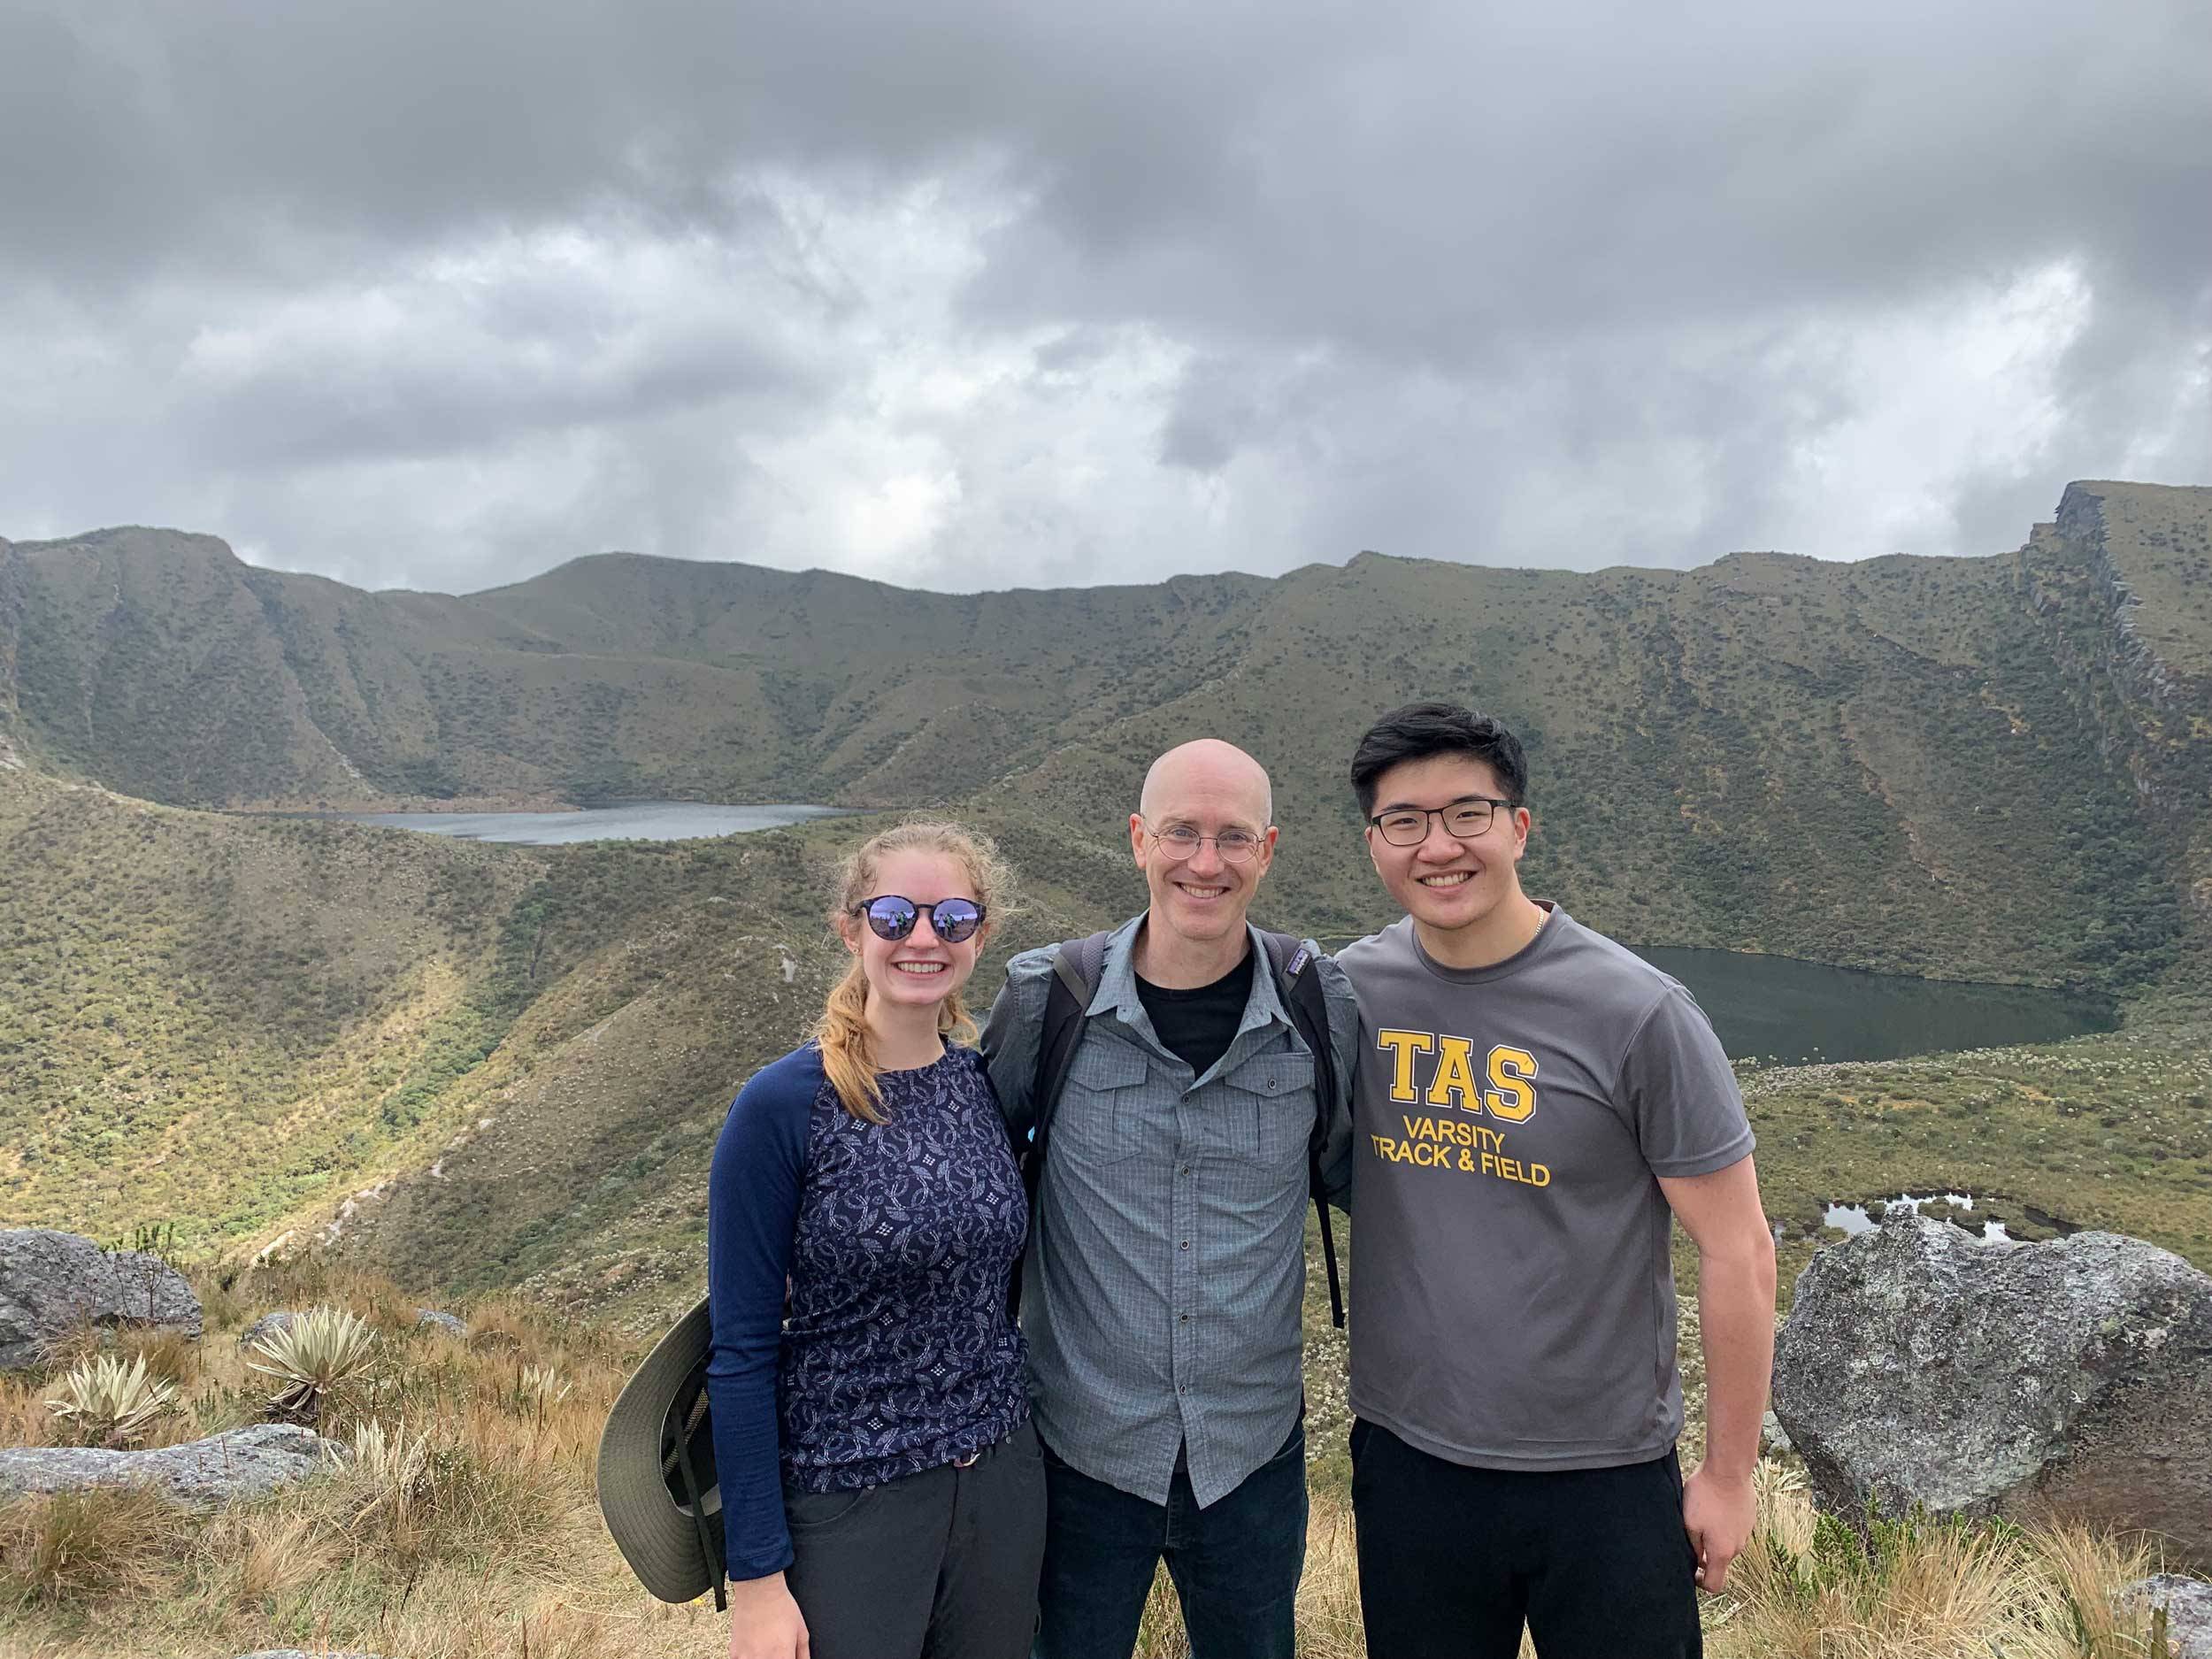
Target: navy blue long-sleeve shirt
[(895, 1353)]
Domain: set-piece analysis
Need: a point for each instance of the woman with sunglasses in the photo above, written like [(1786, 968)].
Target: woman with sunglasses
[(882, 1492)]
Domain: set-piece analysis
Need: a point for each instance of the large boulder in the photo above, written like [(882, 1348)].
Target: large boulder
[(53, 1283), (247, 1463), (2188, 1604), (1919, 1366)]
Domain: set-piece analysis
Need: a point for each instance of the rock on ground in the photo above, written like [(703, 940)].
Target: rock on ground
[(1921, 1365), (2188, 1604), (247, 1463), (53, 1283), (1772, 1442), (443, 1324), (267, 1324)]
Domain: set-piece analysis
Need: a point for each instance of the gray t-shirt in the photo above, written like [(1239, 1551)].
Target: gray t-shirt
[(1512, 1296)]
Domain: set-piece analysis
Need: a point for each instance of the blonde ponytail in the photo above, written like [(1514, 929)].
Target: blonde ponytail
[(842, 1032)]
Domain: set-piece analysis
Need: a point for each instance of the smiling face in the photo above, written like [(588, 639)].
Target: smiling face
[(1446, 883), (920, 969), (1208, 787)]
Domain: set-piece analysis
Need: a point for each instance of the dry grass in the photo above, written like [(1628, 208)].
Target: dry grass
[(169, 1355), (476, 1533), (469, 1531), (75, 1548), (1807, 1588), (1810, 1589)]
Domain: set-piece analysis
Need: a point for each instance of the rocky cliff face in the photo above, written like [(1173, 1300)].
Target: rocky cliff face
[(2118, 580), (11, 631)]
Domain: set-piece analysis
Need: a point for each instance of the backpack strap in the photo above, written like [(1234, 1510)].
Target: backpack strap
[(1308, 1006), (1077, 965)]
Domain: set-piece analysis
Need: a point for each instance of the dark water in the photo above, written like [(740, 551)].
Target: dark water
[(1804, 1012), (633, 820)]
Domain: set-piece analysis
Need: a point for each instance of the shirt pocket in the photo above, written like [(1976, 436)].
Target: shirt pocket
[(1266, 1110), (1101, 1116)]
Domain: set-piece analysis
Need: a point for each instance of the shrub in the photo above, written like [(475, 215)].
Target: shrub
[(110, 1405), (318, 1353)]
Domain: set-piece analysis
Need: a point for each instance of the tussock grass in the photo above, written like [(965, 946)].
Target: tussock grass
[(1809, 1587), (169, 1354), (72, 1547), (464, 1526)]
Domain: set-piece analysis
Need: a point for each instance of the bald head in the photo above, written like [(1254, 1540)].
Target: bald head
[(1209, 771)]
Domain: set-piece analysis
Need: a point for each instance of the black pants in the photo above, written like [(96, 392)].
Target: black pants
[(939, 1565), (1235, 1563), (1452, 1560)]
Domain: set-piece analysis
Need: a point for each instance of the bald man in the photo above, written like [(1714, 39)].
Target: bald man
[(1166, 1263)]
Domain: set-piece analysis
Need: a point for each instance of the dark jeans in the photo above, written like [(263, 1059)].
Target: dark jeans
[(1235, 1564), (1452, 1560), (939, 1565)]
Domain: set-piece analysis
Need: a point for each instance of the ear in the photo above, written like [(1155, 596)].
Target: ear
[(848, 930), (1136, 838)]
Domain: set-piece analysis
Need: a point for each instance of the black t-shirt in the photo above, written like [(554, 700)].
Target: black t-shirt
[(1197, 1025)]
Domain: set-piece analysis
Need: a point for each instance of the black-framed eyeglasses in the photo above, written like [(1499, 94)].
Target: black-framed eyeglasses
[(1464, 819), (1182, 840), (893, 916)]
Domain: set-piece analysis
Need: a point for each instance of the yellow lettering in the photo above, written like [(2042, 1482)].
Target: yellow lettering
[(1403, 1046), (1456, 1075), (1512, 1073)]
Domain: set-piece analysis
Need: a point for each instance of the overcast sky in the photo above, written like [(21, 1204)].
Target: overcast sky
[(438, 293)]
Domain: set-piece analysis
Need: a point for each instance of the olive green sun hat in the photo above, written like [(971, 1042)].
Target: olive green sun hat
[(658, 1486)]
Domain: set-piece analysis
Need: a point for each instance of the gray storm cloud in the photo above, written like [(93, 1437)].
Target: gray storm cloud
[(984, 294)]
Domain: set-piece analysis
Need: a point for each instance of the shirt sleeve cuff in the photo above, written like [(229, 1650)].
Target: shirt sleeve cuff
[(1706, 1163)]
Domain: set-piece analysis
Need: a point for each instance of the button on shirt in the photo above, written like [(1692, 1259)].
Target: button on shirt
[(1166, 1267)]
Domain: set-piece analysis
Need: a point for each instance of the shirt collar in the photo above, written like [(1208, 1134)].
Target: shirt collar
[(1117, 993)]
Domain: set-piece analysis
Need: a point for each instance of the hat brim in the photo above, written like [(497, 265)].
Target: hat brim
[(658, 1538)]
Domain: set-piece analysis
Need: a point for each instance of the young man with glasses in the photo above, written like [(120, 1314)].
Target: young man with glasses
[(1534, 1106), (1166, 1262)]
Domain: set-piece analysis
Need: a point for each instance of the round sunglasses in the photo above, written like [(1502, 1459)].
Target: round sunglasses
[(893, 916)]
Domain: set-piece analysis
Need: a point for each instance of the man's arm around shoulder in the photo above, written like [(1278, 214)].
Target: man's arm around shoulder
[(1735, 1300)]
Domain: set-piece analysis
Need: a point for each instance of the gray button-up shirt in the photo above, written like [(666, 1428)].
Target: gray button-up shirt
[(1166, 1264)]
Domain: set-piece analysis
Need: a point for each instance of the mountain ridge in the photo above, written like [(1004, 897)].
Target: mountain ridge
[(1768, 752), (505, 1065)]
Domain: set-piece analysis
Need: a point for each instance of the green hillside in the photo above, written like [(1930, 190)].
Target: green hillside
[(489, 1065)]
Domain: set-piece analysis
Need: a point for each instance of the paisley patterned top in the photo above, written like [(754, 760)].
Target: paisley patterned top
[(893, 1353)]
